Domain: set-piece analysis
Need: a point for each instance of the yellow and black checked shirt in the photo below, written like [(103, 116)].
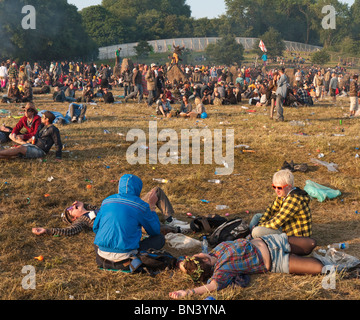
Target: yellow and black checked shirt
[(291, 214)]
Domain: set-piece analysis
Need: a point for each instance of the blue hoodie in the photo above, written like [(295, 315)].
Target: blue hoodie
[(121, 216)]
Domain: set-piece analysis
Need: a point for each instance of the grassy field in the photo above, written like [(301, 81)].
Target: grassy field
[(69, 271)]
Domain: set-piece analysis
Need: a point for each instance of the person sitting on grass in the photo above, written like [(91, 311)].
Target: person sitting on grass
[(27, 93), (163, 107), (30, 122), (13, 94), (229, 262), (45, 138), (58, 95), (289, 213), (87, 95), (186, 107), (108, 96), (119, 223), (199, 108), (80, 216)]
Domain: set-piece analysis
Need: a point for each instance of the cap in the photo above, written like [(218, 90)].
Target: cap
[(153, 65)]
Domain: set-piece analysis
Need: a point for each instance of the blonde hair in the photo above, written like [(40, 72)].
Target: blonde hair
[(283, 177)]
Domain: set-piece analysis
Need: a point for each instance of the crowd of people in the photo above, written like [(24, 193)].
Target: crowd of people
[(280, 238), (213, 85)]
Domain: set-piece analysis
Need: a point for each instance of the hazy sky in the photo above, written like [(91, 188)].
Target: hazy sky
[(199, 8)]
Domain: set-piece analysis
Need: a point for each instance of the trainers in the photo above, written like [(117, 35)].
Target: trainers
[(73, 119), (178, 223)]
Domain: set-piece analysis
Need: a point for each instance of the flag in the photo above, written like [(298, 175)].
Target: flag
[(262, 46)]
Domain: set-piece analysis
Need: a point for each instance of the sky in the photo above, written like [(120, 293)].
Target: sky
[(199, 8)]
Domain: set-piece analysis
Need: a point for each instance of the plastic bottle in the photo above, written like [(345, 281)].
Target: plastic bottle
[(221, 207), (205, 245), (215, 181), (343, 245), (33, 140), (160, 180)]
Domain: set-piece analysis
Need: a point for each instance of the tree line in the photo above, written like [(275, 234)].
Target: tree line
[(63, 32)]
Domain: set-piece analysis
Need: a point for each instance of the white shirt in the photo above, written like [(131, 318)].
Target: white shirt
[(116, 257), (3, 72)]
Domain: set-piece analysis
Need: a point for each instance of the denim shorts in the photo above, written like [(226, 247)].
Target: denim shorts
[(279, 249), (33, 152)]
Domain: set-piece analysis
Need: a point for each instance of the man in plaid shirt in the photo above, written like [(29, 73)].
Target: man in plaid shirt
[(289, 213), (302, 95)]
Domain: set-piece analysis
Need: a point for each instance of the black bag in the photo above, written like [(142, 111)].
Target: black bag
[(229, 231), (152, 261), (207, 224)]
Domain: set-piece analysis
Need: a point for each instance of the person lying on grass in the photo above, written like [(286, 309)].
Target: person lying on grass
[(80, 216), (229, 261)]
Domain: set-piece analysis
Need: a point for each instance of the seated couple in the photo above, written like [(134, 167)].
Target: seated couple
[(38, 145), (186, 110)]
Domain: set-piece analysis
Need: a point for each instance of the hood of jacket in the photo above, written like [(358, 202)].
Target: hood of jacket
[(130, 185)]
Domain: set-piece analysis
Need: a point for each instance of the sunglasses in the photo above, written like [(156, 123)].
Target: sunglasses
[(70, 208), (279, 188)]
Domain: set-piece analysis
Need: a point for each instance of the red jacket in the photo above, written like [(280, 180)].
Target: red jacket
[(30, 132)]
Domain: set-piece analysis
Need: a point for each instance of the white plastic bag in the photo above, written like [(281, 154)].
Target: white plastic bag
[(332, 167), (181, 241), (339, 259)]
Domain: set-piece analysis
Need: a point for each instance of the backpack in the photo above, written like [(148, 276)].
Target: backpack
[(207, 224), (229, 231), (152, 262)]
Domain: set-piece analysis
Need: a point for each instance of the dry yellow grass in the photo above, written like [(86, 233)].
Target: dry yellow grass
[(69, 270)]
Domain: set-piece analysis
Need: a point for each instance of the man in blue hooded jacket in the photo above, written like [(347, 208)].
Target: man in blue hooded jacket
[(118, 226)]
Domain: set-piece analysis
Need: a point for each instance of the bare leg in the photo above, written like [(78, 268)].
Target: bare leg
[(9, 153), (272, 108), (304, 265), (301, 246)]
